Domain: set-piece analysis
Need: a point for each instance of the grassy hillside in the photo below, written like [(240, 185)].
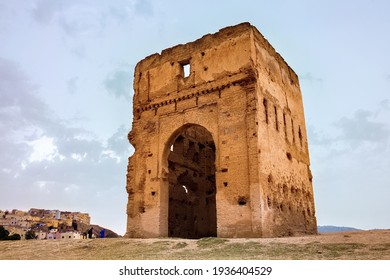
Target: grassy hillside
[(346, 245)]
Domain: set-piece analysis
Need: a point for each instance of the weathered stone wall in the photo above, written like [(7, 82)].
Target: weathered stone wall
[(262, 184), (284, 165)]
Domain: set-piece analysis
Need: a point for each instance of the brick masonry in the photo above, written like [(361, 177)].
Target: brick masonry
[(220, 142)]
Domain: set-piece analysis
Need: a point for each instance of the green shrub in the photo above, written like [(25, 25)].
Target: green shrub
[(14, 236), (30, 235), (3, 233)]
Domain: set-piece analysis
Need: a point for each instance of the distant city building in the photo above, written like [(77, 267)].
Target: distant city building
[(41, 235), (71, 235), (54, 235), (47, 224)]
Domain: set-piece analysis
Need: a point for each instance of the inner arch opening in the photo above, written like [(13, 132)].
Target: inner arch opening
[(192, 189)]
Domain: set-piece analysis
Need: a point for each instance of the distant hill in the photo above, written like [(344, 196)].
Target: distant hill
[(109, 233), (323, 229)]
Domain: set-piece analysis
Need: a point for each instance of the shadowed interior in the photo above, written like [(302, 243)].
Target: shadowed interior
[(192, 190)]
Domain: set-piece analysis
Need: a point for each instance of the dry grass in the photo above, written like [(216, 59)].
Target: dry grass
[(363, 245)]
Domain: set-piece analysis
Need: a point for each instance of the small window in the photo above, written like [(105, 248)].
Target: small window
[(265, 103), (186, 70), (285, 125), (292, 129), (300, 135), (276, 118)]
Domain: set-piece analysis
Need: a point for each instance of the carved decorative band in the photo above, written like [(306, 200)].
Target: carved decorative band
[(241, 82)]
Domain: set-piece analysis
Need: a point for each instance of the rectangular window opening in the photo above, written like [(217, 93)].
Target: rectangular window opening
[(285, 125), (276, 119), (292, 129), (185, 69), (265, 103), (300, 135)]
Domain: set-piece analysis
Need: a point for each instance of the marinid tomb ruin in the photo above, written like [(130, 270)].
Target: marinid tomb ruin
[(220, 142)]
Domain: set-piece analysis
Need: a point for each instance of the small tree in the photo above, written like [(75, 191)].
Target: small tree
[(14, 236), (30, 235), (3, 233)]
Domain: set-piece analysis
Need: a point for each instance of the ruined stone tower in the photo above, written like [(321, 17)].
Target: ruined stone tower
[(220, 142)]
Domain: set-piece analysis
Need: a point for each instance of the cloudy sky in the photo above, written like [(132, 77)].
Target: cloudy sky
[(66, 70)]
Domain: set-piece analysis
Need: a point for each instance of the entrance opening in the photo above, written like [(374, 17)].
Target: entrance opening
[(192, 190)]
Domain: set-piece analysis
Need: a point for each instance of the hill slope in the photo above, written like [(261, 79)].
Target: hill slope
[(356, 245), (109, 233)]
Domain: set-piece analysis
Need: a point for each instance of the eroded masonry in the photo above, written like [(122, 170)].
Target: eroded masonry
[(220, 142)]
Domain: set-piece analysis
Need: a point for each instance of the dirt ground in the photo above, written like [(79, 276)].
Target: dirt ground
[(357, 245)]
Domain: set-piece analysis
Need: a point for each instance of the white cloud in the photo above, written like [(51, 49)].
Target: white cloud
[(43, 149), (78, 156), (111, 154)]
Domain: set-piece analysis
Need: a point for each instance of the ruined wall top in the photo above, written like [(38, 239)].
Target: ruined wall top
[(227, 53)]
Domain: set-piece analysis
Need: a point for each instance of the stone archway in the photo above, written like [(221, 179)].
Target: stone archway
[(192, 188)]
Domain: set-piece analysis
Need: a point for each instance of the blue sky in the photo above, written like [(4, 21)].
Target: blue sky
[(66, 70)]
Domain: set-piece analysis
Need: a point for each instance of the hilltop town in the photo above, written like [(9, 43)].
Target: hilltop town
[(46, 224)]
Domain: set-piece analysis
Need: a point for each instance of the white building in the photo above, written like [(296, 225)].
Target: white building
[(58, 214), (41, 235), (54, 234), (69, 235)]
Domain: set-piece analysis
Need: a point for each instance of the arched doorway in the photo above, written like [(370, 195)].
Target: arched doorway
[(192, 189)]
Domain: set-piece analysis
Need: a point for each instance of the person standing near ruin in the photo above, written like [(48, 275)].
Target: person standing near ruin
[(90, 231)]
